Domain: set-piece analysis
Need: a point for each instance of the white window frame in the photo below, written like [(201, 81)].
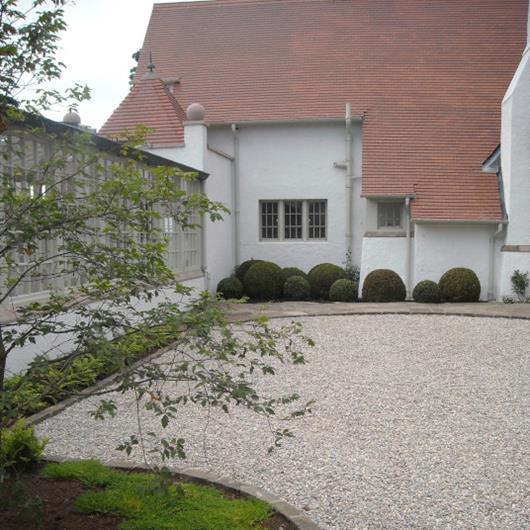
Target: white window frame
[(281, 221)]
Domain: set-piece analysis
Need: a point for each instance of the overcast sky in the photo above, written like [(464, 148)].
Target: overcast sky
[(96, 49)]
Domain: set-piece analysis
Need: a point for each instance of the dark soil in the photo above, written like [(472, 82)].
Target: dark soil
[(30, 502), (35, 503)]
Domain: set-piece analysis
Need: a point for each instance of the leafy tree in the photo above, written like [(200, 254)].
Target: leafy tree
[(91, 226), (132, 72), (28, 44)]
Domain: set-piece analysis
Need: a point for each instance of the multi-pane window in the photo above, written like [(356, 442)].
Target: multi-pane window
[(269, 219), (317, 219), (389, 214), (293, 220)]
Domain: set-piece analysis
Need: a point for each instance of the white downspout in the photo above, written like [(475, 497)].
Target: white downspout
[(349, 180), (491, 278), (408, 260), (235, 194)]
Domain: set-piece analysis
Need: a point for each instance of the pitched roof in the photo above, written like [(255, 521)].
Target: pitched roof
[(427, 76), (149, 103)]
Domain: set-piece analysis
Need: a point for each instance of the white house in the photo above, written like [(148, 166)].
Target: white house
[(328, 126)]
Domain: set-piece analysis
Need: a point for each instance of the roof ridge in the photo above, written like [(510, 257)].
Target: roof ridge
[(209, 3), (178, 108)]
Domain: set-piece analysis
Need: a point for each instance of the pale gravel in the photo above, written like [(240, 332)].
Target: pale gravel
[(420, 422)]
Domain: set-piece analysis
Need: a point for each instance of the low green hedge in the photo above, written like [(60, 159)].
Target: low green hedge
[(460, 285), (383, 285), (242, 269), (296, 288), (230, 288), (322, 277), (263, 281), (20, 449), (287, 272), (344, 290), (426, 292)]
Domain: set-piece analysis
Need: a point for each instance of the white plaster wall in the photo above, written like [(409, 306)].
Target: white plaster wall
[(193, 152), (515, 153), (384, 253), (511, 261), (506, 152), (438, 248), (515, 158), (55, 345), (294, 161), (219, 244)]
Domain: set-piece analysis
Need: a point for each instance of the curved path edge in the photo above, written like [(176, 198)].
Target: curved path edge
[(249, 311), (292, 514)]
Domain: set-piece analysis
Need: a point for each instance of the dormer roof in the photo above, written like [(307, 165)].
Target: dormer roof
[(151, 104)]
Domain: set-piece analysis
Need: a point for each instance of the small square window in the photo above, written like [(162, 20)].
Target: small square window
[(389, 214)]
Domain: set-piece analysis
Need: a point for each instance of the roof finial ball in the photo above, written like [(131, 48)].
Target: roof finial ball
[(72, 118), (195, 112)]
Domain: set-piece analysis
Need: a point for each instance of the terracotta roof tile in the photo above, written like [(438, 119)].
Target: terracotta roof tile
[(428, 75), (149, 103)]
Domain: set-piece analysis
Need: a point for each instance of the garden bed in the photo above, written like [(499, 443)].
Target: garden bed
[(78, 495)]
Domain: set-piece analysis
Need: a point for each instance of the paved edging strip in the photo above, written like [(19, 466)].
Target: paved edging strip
[(292, 514), (371, 312), (246, 312)]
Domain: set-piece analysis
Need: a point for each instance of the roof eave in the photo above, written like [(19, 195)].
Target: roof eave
[(111, 146), (292, 121), (459, 221), (378, 196)]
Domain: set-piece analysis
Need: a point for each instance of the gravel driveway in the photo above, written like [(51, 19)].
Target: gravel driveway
[(420, 422)]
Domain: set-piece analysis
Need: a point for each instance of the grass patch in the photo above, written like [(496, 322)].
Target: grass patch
[(147, 502)]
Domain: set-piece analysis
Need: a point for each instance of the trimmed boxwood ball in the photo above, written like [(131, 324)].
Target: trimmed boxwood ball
[(296, 288), (426, 292), (242, 269), (292, 271), (312, 269), (383, 285), (263, 281), (322, 277), (230, 288), (343, 291), (459, 285)]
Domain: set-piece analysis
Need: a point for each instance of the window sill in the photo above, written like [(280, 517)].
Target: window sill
[(387, 233), (293, 241)]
